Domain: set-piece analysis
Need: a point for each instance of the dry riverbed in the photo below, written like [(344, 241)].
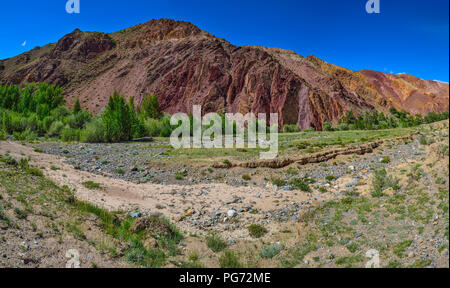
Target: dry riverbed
[(328, 219)]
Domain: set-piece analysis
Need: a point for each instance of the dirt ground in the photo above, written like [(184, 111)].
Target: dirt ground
[(191, 207)]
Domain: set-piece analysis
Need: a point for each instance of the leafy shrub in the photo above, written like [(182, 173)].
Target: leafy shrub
[(150, 107), (79, 120), (153, 127), (180, 175), (386, 160), (76, 106), (32, 122), (55, 129), (34, 171), (60, 113), (94, 132), (443, 149), (91, 185), (3, 135), (297, 183), (327, 126), (166, 128), (374, 120), (227, 162), (45, 124), (383, 181), (230, 259), (68, 134), (26, 135), (291, 128), (400, 248), (118, 119), (256, 230), (268, 252), (291, 171), (246, 177), (302, 145), (277, 181), (215, 242), (21, 214), (416, 172), (330, 178)]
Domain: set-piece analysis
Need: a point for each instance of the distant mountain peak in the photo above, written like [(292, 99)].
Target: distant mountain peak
[(184, 65)]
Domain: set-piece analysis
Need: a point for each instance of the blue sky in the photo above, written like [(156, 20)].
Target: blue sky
[(408, 36)]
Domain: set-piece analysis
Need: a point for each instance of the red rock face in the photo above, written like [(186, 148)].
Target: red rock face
[(184, 66)]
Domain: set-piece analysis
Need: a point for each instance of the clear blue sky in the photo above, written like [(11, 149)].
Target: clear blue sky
[(410, 36)]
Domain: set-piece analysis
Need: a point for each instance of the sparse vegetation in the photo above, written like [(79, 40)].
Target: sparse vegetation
[(268, 252), (277, 181), (386, 160), (215, 242), (300, 184), (246, 177), (383, 181), (256, 230), (230, 259), (91, 185)]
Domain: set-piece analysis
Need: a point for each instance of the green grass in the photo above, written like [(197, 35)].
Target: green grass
[(299, 184), (20, 214), (386, 160), (256, 230), (76, 232), (420, 263), (277, 181), (400, 248), (353, 247), (290, 144), (268, 252), (215, 242), (92, 185), (227, 162), (246, 177), (383, 181), (137, 253), (292, 171), (394, 264), (296, 255), (349, 261), (330, 178), (230, 259), (181, 175)]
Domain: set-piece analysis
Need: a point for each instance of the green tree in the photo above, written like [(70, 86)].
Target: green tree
[(118, 119), (150, 107), (76, 106)]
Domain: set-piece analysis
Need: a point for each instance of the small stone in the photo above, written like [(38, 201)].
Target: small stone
[(135, 215), (231, 213), (189, 212)]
